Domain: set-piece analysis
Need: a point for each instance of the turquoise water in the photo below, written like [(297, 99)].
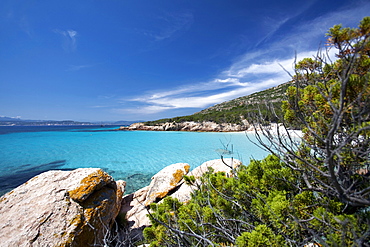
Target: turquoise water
[(133, 156)]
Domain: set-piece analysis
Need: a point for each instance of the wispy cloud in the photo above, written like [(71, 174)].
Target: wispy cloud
[(79, 67), (232, 83), (69, 39), (244, 68), (208, 97), (202, 95), (275, 23), (174, 24), (251, 72), (170, 25), (22, 20), (26, 26)]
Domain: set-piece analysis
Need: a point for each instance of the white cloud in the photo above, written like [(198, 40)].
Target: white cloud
[(191, 89), (72, 36), (243, 68), (69, 39), (264, 68), (204, 101)]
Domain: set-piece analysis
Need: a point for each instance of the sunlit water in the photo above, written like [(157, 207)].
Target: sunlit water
[(133, 156)]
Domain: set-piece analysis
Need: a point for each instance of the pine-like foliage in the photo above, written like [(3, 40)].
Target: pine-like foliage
[(263, 205)]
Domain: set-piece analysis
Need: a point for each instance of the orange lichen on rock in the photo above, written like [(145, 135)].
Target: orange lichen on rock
[(177, 176), (89, 184), (97, 209), (187, 167), (94, 219), (159, 195)]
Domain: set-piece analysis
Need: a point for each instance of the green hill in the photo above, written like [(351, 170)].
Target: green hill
[(234, 111)]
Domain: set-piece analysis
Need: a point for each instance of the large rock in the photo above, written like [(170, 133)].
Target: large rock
[(134, 209), (60, 208), (226, 165), (165, 181), (133, 216), (135, 206), (183, 194)]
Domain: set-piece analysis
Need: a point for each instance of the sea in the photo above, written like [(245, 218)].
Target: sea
[(133, 156)]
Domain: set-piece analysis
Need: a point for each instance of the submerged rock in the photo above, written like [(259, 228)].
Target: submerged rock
[(60, 208)]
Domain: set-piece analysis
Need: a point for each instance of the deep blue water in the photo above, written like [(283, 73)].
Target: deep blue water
[(133, 156), (17, 129)]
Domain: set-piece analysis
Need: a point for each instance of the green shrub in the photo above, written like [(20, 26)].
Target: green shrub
[(258, 207)]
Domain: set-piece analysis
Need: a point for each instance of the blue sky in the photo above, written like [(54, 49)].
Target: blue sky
[(143, 60)]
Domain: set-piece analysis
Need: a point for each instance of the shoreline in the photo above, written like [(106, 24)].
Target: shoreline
[(190, 126), (210, 127)]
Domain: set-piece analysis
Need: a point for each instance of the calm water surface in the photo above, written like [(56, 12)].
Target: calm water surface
[(133, 156)]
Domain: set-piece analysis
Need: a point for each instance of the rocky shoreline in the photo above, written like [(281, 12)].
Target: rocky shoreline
[(80, 207), (272, 128), (190, 126)]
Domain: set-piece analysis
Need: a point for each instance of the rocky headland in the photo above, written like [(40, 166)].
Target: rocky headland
[(87, 207)]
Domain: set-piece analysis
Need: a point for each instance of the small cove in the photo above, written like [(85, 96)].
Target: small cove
[(133, 156)]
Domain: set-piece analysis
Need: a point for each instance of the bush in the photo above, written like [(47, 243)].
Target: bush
[(259, 207)]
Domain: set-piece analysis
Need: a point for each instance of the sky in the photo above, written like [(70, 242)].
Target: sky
[(110, 60)]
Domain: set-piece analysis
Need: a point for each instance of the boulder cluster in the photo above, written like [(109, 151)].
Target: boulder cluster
[(80, 207), (190, 126)]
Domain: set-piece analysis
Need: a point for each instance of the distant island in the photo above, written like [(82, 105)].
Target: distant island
[(10, 121)]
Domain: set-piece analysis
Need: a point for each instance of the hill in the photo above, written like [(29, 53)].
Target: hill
[(234, 111)]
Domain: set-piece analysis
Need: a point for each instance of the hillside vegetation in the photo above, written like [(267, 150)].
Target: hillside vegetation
[(234, 111)]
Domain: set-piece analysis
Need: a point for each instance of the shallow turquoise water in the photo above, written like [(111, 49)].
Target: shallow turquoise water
[(133, 156)]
